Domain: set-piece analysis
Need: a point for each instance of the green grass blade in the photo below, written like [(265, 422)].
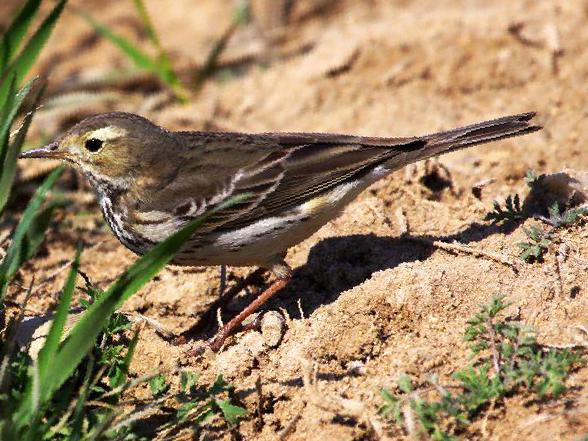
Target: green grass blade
[(36, 233), (25, 59), (49, 349), (82, 337), (78, 420), (17, 252), (163, 62), (147, 23), (159, 66), (141, 59), (9, 153), (15, 33), (7, 115), (213, 56)]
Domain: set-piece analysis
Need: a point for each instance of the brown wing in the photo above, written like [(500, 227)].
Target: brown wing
[(281, 171), (278, 171)]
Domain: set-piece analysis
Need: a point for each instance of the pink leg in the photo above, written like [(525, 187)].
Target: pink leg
[(210, 314), (218, 340)]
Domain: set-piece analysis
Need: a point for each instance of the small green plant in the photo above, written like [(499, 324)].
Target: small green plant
[(539, 239), (512, 210), (508, 360), (159, 386), (196, 404), (567, 218), (538, 244), (532, 178)]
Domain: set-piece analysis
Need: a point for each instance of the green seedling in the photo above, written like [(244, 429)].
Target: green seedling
[(508, 360)]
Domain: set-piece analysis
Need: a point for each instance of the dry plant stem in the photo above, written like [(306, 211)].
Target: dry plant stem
[(152, 323), (495, 354), (409, 421), (484, 429), (259, 390), (450, 247), (290, 427), (217, 341), (458, 248), (210, 314), (223, 280), (559, 261)]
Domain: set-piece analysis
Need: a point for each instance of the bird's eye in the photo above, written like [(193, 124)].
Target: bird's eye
[(93, 144)]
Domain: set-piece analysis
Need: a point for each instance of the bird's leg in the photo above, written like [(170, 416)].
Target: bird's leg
[(284, 274), (223, 280), (209, 316)]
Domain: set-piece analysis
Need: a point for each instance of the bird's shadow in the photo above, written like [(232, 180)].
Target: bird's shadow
[(337, 264)]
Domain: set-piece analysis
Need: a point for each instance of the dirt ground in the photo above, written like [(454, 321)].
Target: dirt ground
[(365, 304)]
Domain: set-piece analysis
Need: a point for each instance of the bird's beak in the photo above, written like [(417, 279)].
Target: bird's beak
[(49, 151)]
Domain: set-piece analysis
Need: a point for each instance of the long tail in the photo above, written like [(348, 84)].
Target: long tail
[(457, 139)]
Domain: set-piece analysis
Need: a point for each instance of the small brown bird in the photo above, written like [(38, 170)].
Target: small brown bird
[(150, 182)]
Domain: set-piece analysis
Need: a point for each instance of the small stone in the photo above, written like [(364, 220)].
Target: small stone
[(273, 328), (356, 368), (33, 331)]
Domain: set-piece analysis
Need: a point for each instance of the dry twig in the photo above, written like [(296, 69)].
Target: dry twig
[(450, 247)]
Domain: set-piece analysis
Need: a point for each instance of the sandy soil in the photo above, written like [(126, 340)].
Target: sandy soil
[(361, 294)]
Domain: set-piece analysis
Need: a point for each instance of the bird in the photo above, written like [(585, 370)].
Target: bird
[(150, 182)]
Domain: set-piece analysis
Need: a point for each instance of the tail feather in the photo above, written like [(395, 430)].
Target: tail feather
[(463, 137), (486, 131)]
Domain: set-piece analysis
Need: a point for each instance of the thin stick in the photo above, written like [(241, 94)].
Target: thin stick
[(560, 258), (459, 248), (223, 280), (450, 247), (290, 426), (260, 400), (63, 267)]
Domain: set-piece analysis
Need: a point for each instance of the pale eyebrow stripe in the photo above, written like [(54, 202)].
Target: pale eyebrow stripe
[(108, 133)]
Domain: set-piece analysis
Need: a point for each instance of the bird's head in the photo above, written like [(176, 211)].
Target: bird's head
[(112, 147)]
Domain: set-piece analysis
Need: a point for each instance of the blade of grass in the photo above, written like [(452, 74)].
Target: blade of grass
[(158, 66), (51, 345), (9, 153), (141, 59), (17, 252), (163, 59), (81, 338), (25, 59), (213, 57), (122, 379), (8, 113), (36, 233), (16, 31), (147, 23), (81, 403)]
